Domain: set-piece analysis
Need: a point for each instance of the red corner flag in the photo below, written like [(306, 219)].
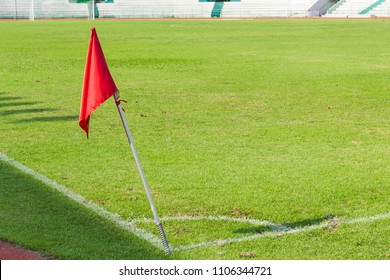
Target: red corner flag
[(98, 83)]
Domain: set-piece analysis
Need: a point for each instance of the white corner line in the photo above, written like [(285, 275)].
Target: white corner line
[(280, 230), (276, 229), (115, 218)]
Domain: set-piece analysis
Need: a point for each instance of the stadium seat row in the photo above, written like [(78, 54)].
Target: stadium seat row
[(192, 8)]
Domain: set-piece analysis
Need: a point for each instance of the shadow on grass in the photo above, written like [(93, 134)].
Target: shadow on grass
[(307, 222), (49, 119), (8, 98), (25, 111), (254, 230), (38, 218), (283, 227), (14, 102)]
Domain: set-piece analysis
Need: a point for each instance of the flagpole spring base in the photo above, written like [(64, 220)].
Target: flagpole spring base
[(163, 238)]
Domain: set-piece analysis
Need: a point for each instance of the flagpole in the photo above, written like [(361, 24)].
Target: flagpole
[(141, 172)]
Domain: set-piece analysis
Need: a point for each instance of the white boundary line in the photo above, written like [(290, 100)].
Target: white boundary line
[(277, 230), (88, 204)]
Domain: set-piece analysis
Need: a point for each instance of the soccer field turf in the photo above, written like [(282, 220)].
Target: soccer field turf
[(280, 121)]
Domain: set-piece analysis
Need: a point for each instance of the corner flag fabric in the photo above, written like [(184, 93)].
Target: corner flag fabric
[(98, 83)]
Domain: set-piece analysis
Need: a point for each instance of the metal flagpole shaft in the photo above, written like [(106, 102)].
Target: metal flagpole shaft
[(141, 172)]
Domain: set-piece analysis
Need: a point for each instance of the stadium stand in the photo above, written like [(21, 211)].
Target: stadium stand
[(105, 9), (382, 10), (162, 9), (43, 9), (360, 8), (267, 8), (191, 8), (12, 9), (60, 9)]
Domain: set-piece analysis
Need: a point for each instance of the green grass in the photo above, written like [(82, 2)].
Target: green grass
[(39, 218), (284, 121)]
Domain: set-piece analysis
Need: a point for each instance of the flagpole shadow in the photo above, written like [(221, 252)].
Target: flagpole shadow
[(284, 226)]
